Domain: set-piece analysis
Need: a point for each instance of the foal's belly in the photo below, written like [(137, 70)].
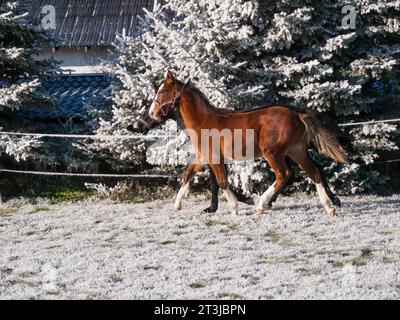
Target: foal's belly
[(234, 144), (245, 152)]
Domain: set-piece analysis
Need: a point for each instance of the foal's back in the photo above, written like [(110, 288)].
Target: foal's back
[(276, 120)]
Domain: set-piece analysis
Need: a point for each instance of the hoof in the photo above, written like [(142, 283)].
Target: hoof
[(331, 213), (235, 212), (259, 211), (210, 210), (177, 209)]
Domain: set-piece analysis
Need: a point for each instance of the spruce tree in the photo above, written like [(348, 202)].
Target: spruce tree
[(21, 76), (340, 58)]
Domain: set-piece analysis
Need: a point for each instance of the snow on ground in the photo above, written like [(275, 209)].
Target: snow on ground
[(103, 250)]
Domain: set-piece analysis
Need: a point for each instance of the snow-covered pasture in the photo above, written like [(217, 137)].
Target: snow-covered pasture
[(96, 250)]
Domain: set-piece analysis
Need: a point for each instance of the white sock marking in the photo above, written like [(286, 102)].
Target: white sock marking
[(182, 193), (232, 201), (266, 197), (323, 197)]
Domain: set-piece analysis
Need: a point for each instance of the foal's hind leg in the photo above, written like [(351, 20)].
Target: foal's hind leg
[(335, 200), (187, 177), (326, 196), (282, 174)]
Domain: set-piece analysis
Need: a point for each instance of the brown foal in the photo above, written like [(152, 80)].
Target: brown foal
[(278, 132), (145, 124)]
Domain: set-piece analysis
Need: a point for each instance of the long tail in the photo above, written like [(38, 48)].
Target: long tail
[(325, 139)]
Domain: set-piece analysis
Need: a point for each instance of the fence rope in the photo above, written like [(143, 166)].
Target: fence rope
[(82, 136), (105, 175), (148, 137), (350, 124), (387, 161), (68, 174)]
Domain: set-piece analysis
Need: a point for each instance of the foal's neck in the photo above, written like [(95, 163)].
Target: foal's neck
[(193, 109)]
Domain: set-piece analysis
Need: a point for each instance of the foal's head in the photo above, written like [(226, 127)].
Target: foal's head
[(166, 99)]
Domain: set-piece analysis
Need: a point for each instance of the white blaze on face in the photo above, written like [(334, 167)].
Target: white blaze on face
[(154, 105)]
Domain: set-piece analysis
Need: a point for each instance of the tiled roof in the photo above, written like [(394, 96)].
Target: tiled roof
[(90, 22), (71, 94)]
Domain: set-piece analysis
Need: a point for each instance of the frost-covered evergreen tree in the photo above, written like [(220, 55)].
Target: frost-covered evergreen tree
[(20, 75), (319, 55)]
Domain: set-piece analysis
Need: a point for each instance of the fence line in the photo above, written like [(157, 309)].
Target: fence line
[(48, 173), (104, 175), (350, 124), (83, 136), (387, 161), (149, 137)]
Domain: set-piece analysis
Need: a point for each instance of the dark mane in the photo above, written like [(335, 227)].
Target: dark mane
[(228, 112), (291, 107), (207, 103)]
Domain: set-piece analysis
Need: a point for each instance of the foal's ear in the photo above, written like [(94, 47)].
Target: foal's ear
[(169, 77)]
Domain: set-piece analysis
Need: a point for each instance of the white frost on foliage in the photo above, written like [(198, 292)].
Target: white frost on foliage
[(174, 149), (13, 95), (247, 53), (379, 61), (376, 136), (287, 28), (11, 53), (315, 95), (19, 148), (19, 80)]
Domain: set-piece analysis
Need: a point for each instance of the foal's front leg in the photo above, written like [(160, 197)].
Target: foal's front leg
[(187, 177), (214, 187), (214, 194), (220, 174)]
